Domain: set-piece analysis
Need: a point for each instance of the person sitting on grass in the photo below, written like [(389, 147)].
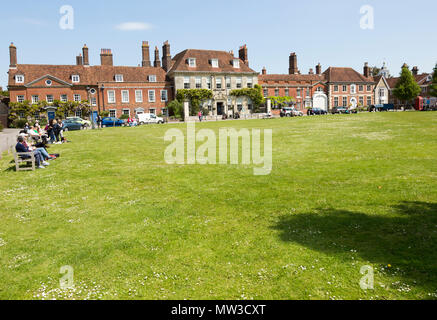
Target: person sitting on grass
[(20, 147)]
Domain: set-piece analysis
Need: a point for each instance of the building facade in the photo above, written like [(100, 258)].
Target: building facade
[(117, 89), (218, 71)]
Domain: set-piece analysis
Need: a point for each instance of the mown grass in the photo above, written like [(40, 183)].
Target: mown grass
[(344, 192)]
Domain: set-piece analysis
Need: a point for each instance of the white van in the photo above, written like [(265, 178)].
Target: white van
[(146, 118)]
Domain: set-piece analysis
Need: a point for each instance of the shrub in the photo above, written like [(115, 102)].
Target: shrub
[(19, 123), (104, 114), (124, 116)]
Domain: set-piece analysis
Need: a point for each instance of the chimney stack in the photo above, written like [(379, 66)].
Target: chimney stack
[(157, 63), (311, 71), (264, 71), (13, 56), (366, 70), (243, 55), (86, 59), (166, 56), (293, 64), (79, 60), (106, 58), (146, 54), (415, 70), (319, 69)]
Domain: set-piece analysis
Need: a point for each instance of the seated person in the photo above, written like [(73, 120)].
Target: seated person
[(41, 149), (20, 147)]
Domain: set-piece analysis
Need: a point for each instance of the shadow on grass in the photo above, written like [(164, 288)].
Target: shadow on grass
[(406, 240)]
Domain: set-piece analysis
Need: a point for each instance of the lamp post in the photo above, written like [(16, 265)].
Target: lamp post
[(91, 109)]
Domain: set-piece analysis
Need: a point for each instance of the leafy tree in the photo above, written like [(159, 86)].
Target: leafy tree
[(176, 109), (433, 86), (406, 88), (375, 71)]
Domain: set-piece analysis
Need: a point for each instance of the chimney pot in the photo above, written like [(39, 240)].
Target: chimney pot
[(13, 56)]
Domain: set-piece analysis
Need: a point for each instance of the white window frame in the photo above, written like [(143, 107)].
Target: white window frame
[(166, 95), (115, 113), (77, 98), (192, 62), (152, 96), (35, 99), (119, 78), (138, 95), (344, 88), (208, 83), (239, 82), (61, 98), (215, 63), (236, 63), (51, 100), (124, 94), (152, 111), (250, 82), (19, 78), (228, 83), (75, 78), (353, 89), (198, 83), (152, 78), (218, 83), (20, 98), (126, 109), (109, 96), (187, 84), (93, 101)]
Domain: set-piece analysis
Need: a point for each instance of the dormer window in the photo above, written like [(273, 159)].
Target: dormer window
[(118, 78), (236, 63), (75, 78), (192, 62), (152, 78), (19, 78), (214, 63)]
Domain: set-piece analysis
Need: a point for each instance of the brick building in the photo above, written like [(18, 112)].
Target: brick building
[(332, 88), (424, 80), (4, 102), (117, 89)]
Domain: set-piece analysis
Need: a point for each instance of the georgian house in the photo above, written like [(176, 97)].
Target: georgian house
[(219, 71), (116, 89), (336, 87), (348, 88)]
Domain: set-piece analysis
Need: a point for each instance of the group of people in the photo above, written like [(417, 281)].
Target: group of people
[(33, 139), (132, 122), (52, 133)]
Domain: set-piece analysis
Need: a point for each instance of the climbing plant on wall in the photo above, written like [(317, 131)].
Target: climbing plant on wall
[(254, 94), (195, 96)]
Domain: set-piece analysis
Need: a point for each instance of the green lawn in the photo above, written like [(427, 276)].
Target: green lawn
[(345, 191)]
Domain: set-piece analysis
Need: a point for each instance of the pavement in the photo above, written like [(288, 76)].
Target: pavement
[(8, 138)]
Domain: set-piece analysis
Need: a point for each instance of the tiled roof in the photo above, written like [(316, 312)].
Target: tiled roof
[(334, 74), (421, 79), (203, 62), (88, 75), (291, 77)]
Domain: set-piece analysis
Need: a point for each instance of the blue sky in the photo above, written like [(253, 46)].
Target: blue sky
[(318, 31)]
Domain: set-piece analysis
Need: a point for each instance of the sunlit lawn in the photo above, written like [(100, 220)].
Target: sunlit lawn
[(345, 191)]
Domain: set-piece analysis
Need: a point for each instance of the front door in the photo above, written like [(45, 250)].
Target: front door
[(51, 115), (220, 108)]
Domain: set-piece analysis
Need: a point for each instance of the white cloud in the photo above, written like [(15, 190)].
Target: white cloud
[(133, 26)]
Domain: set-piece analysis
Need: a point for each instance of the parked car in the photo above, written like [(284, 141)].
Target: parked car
[(111, 122), (69, 125), (340, 110), (290, 112), (316, 111), (78, 119), (147, 118)]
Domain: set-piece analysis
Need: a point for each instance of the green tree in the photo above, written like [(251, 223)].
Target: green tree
[(176, 109), (433, 86), (406, 88)]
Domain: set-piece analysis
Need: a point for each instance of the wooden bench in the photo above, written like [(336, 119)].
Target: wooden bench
[(18, 160)]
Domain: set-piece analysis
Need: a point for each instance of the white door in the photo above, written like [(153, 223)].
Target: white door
[(320, 101)]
